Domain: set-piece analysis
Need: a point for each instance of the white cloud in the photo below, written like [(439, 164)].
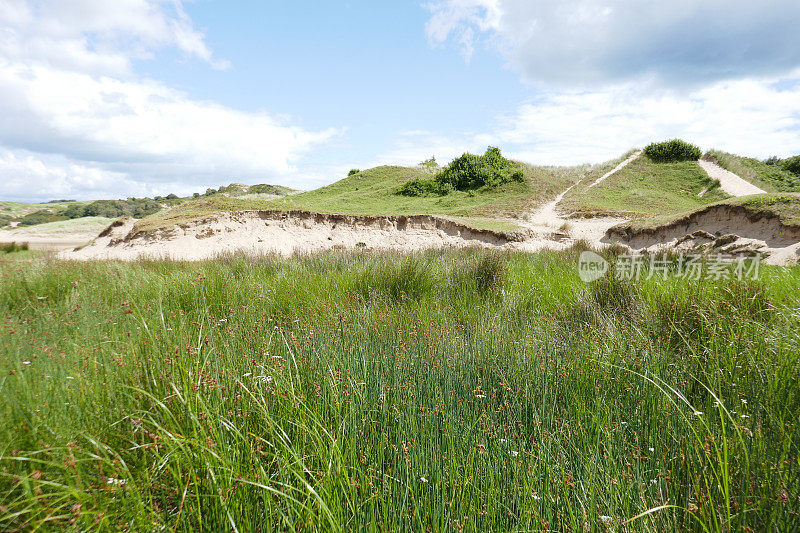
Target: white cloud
[(757, 118), (76, 121), (585, 42), (97, 36)]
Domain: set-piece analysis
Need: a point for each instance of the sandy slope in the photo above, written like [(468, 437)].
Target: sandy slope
[(718, 229), (729, 182), (260, 232)]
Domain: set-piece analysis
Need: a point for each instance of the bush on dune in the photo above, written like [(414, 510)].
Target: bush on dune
[(792, 165), (672, 151), (467, 173)]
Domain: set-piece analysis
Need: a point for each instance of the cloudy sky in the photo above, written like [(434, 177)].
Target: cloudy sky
[(106, 99)]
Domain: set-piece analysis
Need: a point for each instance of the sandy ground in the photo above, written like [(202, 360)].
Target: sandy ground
[(262, 232), (56, 235), (554, 230), (719, 229), (634, 156), (729, 182)]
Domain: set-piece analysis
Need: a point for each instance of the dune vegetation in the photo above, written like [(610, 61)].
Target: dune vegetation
[(645, 188), (447, 391), (770, 175)]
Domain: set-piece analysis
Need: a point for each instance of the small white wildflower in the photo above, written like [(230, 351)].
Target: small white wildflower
[(744, 401), (115, 481), (651, 449), (514, 453), (623, 423), (264, 379), (246, 375), (423, 479), (503, 440), (745, 416), (480, 396), (698, 413), (537, 497), (277, 357), (70, 377), (606, 519), (26, 363)]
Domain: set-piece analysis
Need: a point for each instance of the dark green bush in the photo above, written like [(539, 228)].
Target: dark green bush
[(264, 188), (42, 216), (353, 172), (792, 165), (421, 187), (11, 247), (672, 151), (470, 171), (467, 173)]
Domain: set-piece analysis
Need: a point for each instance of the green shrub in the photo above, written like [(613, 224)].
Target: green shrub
[(430, 164), (353, 172), (672, 151), (466, 173), (422, 187), (42, 216), (470, 171), (792, 165), (264, 188), (11, 247)]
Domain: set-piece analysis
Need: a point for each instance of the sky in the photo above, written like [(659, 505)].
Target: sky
[(112, 99)]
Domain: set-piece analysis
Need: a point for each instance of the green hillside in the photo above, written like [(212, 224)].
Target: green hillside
[(770, 177), (645, 188), (372, 192)]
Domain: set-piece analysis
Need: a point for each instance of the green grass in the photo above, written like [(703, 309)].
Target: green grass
[(785, 206), (76, 225), (196, 209), (449, 391), (19, 209), (645, 188), (372, 192), (771, 178)]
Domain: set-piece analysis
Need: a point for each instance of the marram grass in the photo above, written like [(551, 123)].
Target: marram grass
[(449, 391)]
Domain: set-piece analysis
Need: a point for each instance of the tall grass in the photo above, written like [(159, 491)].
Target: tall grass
[(450, 391)]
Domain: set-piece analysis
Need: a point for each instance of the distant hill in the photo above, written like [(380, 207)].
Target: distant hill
[(21, 214)]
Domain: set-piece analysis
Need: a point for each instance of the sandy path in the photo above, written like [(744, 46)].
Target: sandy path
[(634, 156), (729, 182), (557, 231)]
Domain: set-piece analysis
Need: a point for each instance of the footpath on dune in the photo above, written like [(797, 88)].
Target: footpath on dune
[(728, 181)]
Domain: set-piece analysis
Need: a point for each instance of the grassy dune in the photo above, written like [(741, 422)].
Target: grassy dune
[(771, 178), (785, 206), (453, 391), (645, 188), (371, 192)]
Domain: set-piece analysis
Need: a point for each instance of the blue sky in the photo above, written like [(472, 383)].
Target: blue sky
[(106, 99)]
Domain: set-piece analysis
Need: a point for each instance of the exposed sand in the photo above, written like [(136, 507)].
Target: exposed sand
[(729, 182), (56, 235), (554, 230), (285, 233), (718, 229)]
